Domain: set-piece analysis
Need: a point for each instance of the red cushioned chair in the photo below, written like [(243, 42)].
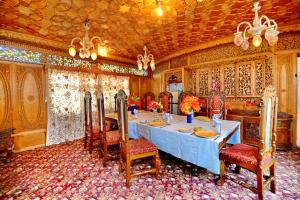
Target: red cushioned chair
[(133, 149), (108, 137), (257, 159), (92, 133), (148, 97), (166, 99), (216, 103)]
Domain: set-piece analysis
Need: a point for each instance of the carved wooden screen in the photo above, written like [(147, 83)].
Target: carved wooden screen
[(236, 78)]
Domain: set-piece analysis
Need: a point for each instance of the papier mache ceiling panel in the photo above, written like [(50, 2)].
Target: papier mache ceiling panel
[(128, 24)]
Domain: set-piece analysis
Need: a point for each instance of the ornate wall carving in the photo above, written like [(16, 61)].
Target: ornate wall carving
[(239, 78), (229, 80), (5, 101), (288, 41), (179, 62), (162, 67)]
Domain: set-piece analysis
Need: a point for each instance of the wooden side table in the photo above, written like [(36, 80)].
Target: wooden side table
[(6, 142)]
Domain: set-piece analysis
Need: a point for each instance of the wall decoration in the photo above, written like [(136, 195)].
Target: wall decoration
[(244, 79), (259, 76), (19, 55), (179, 62), (229, 80)]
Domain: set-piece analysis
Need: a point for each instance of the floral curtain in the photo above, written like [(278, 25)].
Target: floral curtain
[(65, 104), (110, 86)]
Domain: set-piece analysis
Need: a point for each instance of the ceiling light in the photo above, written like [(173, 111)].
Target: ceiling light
[(159, 10), (87, 48), (255, 30), (142, 61)]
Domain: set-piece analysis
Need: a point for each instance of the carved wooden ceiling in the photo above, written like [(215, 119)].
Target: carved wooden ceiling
[(128, 24)]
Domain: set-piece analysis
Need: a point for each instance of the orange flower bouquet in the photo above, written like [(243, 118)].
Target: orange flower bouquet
[(189, 104)]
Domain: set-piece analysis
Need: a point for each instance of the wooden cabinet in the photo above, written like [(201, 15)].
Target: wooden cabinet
[(250, 128), (22, 101)]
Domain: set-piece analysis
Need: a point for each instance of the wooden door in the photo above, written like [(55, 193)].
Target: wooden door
[(5, 97), (28, 98)]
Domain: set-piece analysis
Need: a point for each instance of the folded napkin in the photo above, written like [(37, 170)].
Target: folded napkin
[(203, 118), (205, 133)]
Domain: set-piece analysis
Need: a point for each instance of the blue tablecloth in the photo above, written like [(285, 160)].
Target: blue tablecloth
[(202, 152)]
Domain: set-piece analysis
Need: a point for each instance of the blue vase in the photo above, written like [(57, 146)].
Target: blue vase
[(132, 108), (189, 118)]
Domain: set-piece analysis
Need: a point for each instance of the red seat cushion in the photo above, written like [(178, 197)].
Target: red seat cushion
[(140, 146), (113, 136), (243, 154)]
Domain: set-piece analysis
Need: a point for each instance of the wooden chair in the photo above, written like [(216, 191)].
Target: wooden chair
[(115, 97), (148, 97), (216, 103), (7, 142), (166, 99), (108, 137), (133, 149), (91, 133), (181, 96), (257, 159)]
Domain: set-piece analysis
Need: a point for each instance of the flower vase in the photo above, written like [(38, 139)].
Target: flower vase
[(132, 108), (189, 118)]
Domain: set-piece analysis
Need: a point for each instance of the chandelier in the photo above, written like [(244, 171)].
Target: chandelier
[(142, 61), (88, 48), (260, 24)]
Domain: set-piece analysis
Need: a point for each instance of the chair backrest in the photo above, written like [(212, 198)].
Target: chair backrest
[(216, 103), (115, 97), (88, 119), (148, 97), (122, 115), (101, 112), (166, 99), (268, 120), (181, 96)]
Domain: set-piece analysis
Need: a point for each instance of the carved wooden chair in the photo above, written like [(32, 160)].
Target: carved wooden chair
[(181, 96), (257, 159), (216, 103), (108, 137), (92, 133), (133, 149), (166, 99), (148, 97), (7, 142)]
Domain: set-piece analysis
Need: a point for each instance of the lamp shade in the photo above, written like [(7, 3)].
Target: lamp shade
[(94, 55), (256, 41), (72, 51)]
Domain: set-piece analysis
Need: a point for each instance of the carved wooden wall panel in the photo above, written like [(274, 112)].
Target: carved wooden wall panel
[(203, 76), (259, 76), (229, 80), (29, 109), (244, 79), (179, 62), (216, 76), (5, 100)]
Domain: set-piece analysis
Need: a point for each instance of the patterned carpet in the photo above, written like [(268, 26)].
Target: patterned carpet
[(67, 171)]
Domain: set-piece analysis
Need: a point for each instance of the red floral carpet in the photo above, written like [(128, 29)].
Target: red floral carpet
[(67, 171)]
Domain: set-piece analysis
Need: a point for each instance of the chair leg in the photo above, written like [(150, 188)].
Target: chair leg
[(260, 178), (91, 143), (222, 173), (85, 140), (156, 162), (128, 172), (104, 154), (272, 174), (237, 169)]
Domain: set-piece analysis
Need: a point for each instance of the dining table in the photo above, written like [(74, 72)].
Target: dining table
[(200, 151)]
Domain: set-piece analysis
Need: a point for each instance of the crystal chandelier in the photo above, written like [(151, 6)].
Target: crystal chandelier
[(260, 24), (87, 48), (142, 61)]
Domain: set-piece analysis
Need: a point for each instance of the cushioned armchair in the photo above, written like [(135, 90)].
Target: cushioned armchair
[(257, 159), (166, 99)]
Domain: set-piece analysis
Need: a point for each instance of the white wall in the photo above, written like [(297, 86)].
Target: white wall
[(298, 102)]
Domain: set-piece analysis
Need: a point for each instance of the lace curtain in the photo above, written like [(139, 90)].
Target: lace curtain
[(110, 86), (65, 104), (65, 101)]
